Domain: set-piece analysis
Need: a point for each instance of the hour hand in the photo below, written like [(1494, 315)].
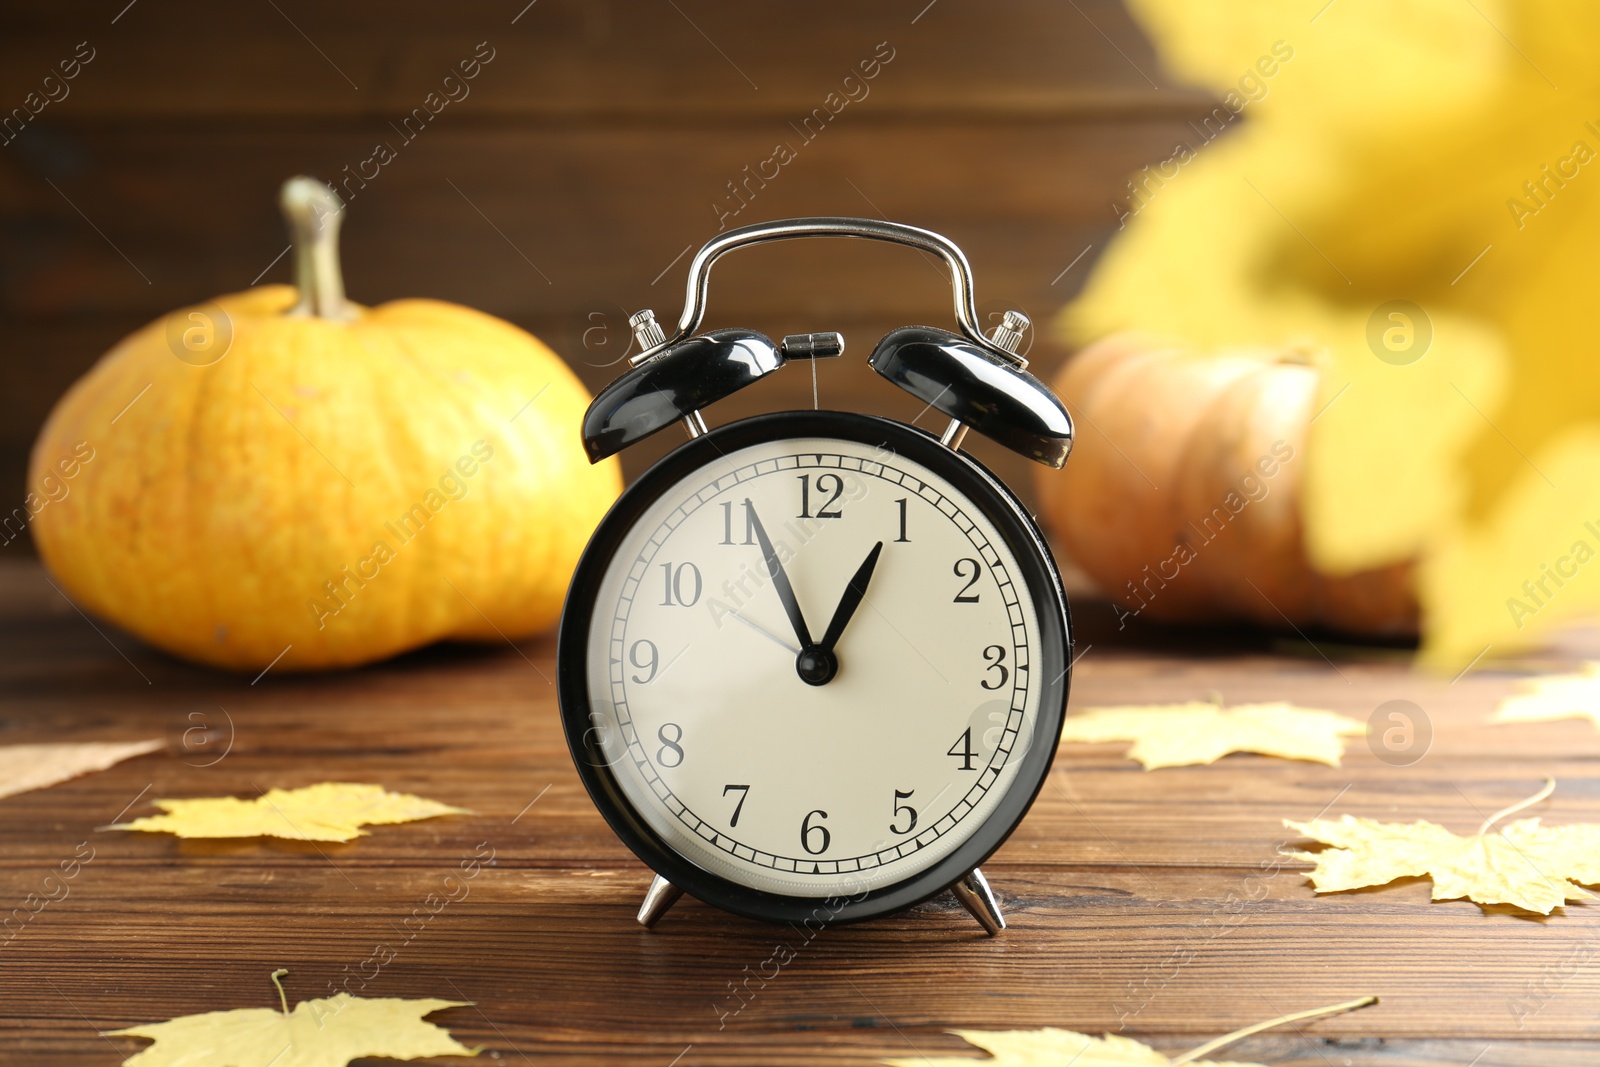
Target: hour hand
[(780, 579), (853, 595)]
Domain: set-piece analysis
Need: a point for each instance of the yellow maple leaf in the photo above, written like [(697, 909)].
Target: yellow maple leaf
[(1556, 696), (1364, 154), (1181, 735), (329, 1032), (1051, 1047), (1533, 867), (25, 767), (327, 811)]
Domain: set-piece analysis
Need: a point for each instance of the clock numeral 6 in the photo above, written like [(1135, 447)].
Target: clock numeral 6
[(911, 813), (962, 567), (673, 585), (826, 483), (807, 830), (995, 657), (671, 753), (649, 665)]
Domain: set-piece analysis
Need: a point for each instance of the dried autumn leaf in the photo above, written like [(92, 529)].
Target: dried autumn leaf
[(1533, 867), (1051, 1047), (1181, 735), (1554, 697), (329, 1032), (25, 767), (327, 811)]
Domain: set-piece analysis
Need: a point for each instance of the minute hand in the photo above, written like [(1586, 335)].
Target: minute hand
[(853, 595), (780, 579)]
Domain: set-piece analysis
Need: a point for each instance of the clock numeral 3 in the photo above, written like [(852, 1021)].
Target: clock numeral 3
[(650, 665), (673, 585), (749, 524), (961, 568), (670, 745), (962, 750), (994, 656), (807, 830), (824, 481), (911, 813), (744, 791)]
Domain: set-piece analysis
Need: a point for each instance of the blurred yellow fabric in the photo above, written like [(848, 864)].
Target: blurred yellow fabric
[(1431, 152)]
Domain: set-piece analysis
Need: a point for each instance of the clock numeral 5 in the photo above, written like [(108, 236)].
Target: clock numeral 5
[(911, 813), (961, 568), (744, 791), (824, 482), (671, 753), (807, 830), (673, 585), (995, 656)]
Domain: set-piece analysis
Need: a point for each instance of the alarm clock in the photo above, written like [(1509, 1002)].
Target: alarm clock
[(812, 665)]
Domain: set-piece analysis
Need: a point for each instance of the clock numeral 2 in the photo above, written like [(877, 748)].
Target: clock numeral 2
[(994, 656), (962, 750), (744, 791), (823, 482), (961, 568), (670, 745), (807, 830), (749, 523), (911, 813), (673, 585)]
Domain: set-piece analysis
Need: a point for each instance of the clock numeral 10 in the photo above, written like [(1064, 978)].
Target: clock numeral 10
[(673, 585), (807, 830), (749, 523), (826, 483)]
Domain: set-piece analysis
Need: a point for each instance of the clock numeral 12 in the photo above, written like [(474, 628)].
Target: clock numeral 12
[(823, 482)]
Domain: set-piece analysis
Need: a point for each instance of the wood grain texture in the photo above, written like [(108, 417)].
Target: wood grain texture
[(1136, 900)]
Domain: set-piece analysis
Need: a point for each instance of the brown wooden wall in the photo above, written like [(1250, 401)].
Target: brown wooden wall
[(564, 189)]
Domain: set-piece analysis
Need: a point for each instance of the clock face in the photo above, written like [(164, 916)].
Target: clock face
[(814, 665)]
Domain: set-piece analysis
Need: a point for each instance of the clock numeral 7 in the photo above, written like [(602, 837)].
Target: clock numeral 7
[(744, 792), (911, 813)]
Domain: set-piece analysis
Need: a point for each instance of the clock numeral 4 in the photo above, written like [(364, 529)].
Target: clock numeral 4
[(962, 568), (744, 791), (807, 830), (671, 753), (995, 657), (826, 483), (962, 750), (674, 585), (911, 813)]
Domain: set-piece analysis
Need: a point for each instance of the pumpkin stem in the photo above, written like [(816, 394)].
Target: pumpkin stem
[(314, 211)]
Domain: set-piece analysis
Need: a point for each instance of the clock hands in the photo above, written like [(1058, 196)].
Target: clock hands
[(815, 663)]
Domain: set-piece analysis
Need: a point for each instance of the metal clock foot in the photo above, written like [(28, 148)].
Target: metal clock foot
[(975, 895), (662, 894)]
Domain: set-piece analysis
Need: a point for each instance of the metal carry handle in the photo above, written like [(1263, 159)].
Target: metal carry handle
[(694, 302)]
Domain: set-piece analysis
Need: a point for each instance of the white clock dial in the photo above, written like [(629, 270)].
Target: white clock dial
[(766, 779)]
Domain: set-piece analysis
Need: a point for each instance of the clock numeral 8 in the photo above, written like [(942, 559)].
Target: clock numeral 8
[(806, 830), (670, 745)]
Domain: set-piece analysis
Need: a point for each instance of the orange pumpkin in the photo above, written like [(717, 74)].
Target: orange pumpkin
[(283, 477), (1183, 494)]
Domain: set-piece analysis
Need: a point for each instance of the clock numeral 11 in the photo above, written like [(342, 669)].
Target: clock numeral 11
[(749, 523)]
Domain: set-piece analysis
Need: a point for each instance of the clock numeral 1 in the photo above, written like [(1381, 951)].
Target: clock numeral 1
[(994, 656), (911, 813), (962, 750), (961, 568), (902, 537), (650, 665), (670, 745), (807, 830), (824, 481), (744, 791), (749, 523), (673, 585)]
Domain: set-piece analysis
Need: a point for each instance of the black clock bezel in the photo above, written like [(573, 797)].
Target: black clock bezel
[(1037, 570)]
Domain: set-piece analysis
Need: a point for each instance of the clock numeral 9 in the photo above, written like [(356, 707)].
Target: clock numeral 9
[(962, 750), (673, 585), (962, 567), (650, 665), (807, 830), (824, 482), (669, 745), (911, 813), (995, 656)]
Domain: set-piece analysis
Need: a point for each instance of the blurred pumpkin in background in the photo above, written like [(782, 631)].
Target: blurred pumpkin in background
[(284, 476), (1184, 496)]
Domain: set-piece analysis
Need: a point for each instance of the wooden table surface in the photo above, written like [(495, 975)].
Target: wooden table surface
[(1126, 891)]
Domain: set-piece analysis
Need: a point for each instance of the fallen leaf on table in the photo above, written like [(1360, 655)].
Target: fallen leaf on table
[(1180, 735), (25, 767), (1556, 696), (1533, 867), (1059, 1048), (329, 1032), (327, 811)]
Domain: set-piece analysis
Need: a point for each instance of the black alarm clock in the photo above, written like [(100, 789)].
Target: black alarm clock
[(812, 665)]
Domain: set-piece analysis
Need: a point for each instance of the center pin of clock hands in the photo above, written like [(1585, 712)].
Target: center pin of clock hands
[(816, 663)]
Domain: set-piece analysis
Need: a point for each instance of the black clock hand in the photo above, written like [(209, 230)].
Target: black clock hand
[(780, 580), (853, 594)]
